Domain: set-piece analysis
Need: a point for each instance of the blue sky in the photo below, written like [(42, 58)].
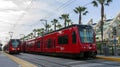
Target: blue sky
[(94, 12), (22, 16)]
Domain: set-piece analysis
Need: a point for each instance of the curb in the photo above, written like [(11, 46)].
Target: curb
[(21, 62), (108, 58)]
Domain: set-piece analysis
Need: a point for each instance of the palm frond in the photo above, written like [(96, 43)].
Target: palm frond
[(75, 11), (85, 12), (95, 3), (60, 17), (108, 2)]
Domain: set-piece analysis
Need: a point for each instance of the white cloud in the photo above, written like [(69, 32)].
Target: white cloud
[(7, 4), (24, 12)]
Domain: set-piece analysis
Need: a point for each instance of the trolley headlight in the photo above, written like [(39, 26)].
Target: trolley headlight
[(18, 48), (13, 48)]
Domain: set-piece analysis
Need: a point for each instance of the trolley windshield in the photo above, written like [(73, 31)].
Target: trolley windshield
[(15, 43), (86, 34)]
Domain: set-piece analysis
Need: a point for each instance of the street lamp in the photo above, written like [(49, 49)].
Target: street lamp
[(45, 23), (11, 34)]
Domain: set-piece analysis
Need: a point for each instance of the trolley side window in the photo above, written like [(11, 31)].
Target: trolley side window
[(74, 37), (49, 43), (63, 39), (38, 44)]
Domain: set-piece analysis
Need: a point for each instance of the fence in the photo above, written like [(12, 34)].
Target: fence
[(107, 48)]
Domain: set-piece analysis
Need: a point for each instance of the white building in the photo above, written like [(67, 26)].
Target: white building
[(108, 28)]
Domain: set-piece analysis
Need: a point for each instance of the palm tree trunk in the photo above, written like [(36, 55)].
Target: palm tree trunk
[(55, 27), (102, 21), (34, 33), (65, 22), (47, 30), (80, 18), (68, 24)]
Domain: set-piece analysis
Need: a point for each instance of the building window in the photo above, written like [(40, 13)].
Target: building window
[(38, 44), (74, 37), (63, 39)]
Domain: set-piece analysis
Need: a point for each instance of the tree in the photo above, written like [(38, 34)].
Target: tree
[(80, 10), (48, 27), (30, 35), (69, 21), (102, 3), (54, 22), (59, 26), (40, 32), (51, 30), (65, 17), (26, 37), (34, 31)]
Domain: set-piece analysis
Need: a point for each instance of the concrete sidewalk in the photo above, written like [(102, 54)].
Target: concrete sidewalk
[(21, 62), (111, 58), (6, 62)]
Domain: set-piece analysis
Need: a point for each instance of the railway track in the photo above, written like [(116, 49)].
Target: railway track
[(46, 61), (42, 62)]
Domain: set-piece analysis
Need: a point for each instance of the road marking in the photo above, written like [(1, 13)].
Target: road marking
[(109, 58), (22, 63)]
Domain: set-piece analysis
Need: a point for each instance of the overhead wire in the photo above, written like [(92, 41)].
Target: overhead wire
[(23, 14), (67, 3), (19, 19), (61, 7)]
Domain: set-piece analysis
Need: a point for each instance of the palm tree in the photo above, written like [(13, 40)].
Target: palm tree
[(48, 27), (102, 3), (34, 31), (69, 21), (26, 37), (22, 37), (80, 10), (51, 30), (59, 26), (54, 22), (30, 35), (65, 17), (40, 31)]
